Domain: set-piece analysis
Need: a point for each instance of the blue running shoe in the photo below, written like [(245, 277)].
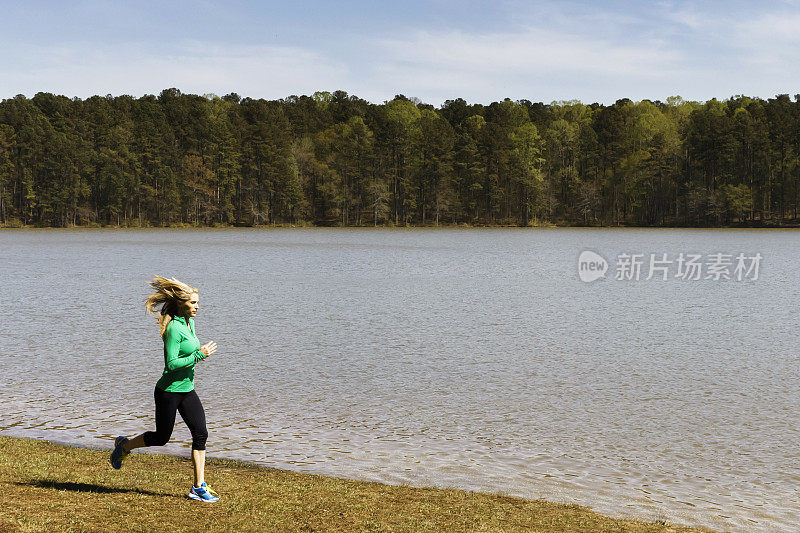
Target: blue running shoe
[(119, 453), (203, 493)]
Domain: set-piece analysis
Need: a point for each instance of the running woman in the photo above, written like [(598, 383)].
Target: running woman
[(175, 389)]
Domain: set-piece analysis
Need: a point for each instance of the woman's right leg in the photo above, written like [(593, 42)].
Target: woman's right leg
[(132, 444), (166, 408)]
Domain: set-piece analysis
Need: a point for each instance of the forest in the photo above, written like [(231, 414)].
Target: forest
[(333, 159)]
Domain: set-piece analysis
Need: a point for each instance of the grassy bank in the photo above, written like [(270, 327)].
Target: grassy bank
[(48, 487)]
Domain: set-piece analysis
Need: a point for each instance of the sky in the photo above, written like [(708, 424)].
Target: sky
[(481, 51)]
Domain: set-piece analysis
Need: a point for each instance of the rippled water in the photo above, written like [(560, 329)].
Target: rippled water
[(465, 358)]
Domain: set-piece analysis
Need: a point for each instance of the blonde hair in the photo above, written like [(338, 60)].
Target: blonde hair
[(170, 294)]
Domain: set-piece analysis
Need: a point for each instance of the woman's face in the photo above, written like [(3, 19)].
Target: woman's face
[(190, 306)]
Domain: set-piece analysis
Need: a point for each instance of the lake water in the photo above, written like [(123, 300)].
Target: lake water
[(475, 358)]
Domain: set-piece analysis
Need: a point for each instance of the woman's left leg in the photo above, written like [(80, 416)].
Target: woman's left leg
[(193, 414)]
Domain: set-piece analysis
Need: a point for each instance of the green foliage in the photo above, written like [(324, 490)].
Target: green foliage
[(335, 159)]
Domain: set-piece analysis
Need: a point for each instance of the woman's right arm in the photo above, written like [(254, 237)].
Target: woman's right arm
[(172, 358)]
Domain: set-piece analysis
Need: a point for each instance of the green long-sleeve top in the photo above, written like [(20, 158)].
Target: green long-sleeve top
[(181, 352)]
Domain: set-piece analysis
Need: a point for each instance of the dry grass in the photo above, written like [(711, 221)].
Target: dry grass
[(49, 487)]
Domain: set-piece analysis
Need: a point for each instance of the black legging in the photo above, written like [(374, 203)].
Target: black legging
[(188, 403)]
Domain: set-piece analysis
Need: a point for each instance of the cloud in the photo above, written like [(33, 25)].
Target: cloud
[(779, 28), (534, 50), (552, 51), (601, 53), (534, 63), (769, 46), (686, 16), (81, 69)]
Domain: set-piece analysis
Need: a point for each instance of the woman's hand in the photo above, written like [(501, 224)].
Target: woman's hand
[(209, 348)]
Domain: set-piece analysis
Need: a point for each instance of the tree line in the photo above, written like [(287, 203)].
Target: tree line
[(336, 159)]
